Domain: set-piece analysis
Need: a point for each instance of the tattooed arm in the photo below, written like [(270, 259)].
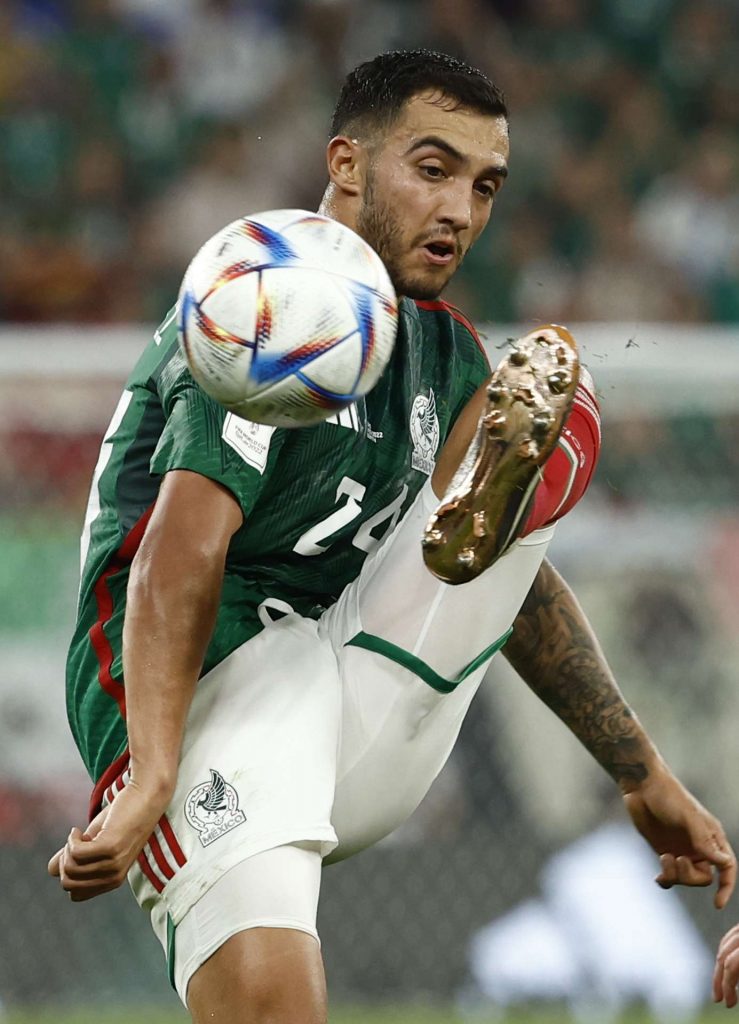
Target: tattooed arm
[(555, 652)]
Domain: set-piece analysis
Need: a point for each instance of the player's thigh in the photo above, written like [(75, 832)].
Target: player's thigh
[(252, 936), (397, 734), (412, 652)]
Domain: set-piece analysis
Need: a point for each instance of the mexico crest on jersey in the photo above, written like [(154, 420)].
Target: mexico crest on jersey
[(424, 426), (212, 808)]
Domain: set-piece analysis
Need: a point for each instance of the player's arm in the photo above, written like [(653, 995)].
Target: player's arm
[(555, 651), (172, 600)]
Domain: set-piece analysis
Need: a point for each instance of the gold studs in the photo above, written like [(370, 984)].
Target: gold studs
[(432, 538), (479, 524), (559, 381)]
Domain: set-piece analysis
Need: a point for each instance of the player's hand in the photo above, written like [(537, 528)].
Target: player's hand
[(690, 842), (97, 860), (726, 971)]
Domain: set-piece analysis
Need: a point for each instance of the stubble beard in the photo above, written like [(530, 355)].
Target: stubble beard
[(378, 226)]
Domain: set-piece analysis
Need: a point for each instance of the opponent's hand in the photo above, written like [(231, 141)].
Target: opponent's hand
[(97, 860), (690, 842), (726, 971)]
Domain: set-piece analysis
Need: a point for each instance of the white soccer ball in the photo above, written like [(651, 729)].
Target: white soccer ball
[(286, 317)]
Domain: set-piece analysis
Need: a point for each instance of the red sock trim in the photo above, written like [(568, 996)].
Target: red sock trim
[(569, 469)]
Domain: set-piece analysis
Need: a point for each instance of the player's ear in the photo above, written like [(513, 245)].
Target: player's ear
[(344, 157)]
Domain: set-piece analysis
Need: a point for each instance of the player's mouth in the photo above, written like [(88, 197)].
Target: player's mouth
[(440, 252)]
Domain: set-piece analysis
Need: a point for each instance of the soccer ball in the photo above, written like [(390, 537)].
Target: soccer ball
[(286, 317)]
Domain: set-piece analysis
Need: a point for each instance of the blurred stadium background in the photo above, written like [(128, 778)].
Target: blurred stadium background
[(130, 130)]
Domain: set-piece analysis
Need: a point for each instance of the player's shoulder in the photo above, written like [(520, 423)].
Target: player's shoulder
[(162, 366), (445, 316)]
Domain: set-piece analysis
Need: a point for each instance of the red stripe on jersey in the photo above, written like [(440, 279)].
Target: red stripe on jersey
[(172, 843), (111, 773), (100, 642), (439, 306), (143, 863), (104, 600), (156, 849)]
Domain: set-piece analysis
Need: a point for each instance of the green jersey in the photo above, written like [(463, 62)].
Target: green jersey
[(315, 500)]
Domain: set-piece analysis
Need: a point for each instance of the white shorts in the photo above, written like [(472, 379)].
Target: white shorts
[(277, 888), (329, 732)]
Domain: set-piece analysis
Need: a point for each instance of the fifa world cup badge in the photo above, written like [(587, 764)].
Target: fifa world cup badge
[(212, 808), (424, 428)]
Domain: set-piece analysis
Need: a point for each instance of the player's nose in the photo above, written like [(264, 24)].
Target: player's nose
[(455, 209)]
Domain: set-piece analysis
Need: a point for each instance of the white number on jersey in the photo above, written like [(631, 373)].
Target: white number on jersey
[(309, 543)]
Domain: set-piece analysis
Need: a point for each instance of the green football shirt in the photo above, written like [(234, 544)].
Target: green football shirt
[(315, 500)]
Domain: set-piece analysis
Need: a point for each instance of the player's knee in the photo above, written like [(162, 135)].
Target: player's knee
[(274, 999), (286, 991)]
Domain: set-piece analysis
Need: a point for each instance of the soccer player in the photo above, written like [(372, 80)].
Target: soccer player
[(265, 675)]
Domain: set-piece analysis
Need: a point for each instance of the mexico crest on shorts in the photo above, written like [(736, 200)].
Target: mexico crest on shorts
[(424, 426), (212, 808)]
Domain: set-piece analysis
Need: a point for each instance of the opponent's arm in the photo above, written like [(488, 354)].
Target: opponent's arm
[(555, 651), (172, 599)]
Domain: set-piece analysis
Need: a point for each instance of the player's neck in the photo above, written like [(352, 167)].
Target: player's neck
[(336, 206), (333, 206)]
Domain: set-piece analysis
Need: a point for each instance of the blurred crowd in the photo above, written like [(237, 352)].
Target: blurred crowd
[(130, 130)]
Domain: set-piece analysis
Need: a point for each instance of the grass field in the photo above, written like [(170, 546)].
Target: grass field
[(386, 1015)]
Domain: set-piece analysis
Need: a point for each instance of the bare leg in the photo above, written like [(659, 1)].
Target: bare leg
[(261, 976)]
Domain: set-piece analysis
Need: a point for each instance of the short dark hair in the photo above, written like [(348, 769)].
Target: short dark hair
[(375, 92)]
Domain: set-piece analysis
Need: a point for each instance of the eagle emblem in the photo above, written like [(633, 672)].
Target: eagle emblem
[(214, 799), (212, 808), (424, 430)]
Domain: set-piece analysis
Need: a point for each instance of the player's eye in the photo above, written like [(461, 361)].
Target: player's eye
[(432, 171), (485, 189)]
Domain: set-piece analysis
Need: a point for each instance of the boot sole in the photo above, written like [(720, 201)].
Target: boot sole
[(528, 400)]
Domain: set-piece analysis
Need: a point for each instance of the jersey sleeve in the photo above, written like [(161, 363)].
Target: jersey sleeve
[(200, 435)]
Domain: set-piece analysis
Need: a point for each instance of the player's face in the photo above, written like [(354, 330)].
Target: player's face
[(429, 191)]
